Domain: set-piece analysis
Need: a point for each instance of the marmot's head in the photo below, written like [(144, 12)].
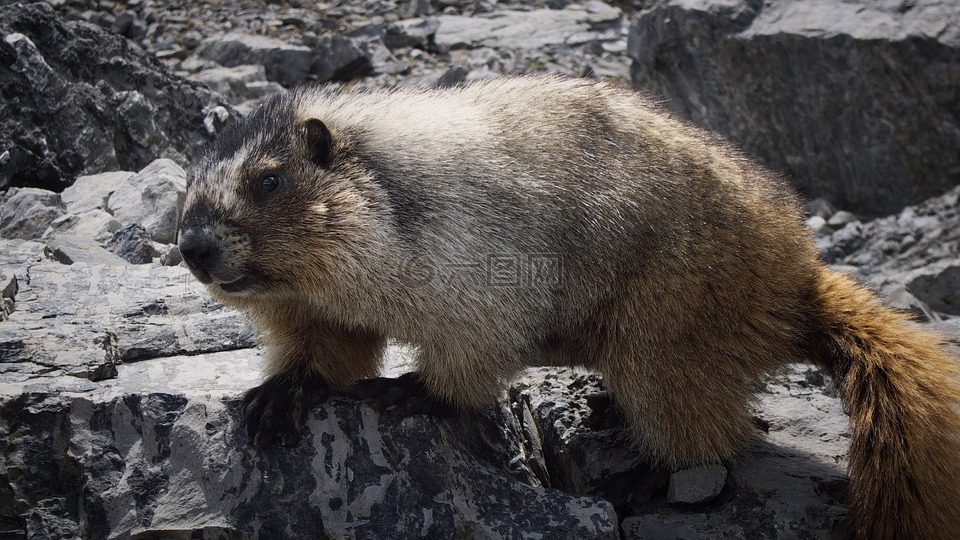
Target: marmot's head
[(274, 205)]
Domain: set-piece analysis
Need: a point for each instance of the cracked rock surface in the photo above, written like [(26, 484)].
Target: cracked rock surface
[(121, 380)]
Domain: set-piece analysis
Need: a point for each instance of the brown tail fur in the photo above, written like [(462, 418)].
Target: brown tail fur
[(902, 388)]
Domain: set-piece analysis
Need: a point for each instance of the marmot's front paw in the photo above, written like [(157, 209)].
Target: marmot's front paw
[(404, 396), (275, 410)]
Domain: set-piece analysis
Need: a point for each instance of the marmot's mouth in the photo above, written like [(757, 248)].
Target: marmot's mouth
[(238, 285), (251, 281)]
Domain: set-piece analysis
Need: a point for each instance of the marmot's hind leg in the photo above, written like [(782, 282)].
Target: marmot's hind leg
[(682, 372), (681, 411)]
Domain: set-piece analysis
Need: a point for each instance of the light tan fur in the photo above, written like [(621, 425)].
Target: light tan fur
[(686, 273)]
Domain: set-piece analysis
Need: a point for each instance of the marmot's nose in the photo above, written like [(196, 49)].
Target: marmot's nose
[(199, 248)]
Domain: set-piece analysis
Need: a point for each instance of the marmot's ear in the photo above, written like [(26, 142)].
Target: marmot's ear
[(319, 142)]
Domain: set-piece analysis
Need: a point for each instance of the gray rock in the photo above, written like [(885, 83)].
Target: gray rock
[(92, 191), (790, 484), (697, 485), (841, 218), (8, 287), (819, 225), (848, 98), (123, 24), (940, 290), (151, 198), (820, 207), (922, 240), (524, 29), (79, 100), (133, 443), (239, 83), (73, 249), (132, 243), (66, 309), (898, 296), (93, 225), (26, 213), (338, 58), (170, 256), (418, 8), (454, 76), (165, 433), (417, 33), (284, 63)]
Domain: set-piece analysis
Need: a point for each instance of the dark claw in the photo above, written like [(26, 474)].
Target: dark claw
[(604, 412), (275, 411), (404, 396)]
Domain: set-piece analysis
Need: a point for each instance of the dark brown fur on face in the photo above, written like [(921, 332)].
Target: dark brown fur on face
[(684, 275)]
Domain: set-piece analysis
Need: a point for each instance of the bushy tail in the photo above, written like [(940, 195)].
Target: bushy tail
[(903, 394)]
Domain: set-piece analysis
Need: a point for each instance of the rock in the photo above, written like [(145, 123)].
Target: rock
[(337, 58), (922, 239), (524, 29), (793, 478), (239, 83), (166, 433), (73, 249), (841, 218), (170, 256), (790, 485), (819, 225), (8, 287), (26, 213), (143, 311), (418, 8), (697, 485), (417, 33), (849, 99), (92, 191), (78, 100), (898, 296), (161, 429), (122, 24), (820, 207), (191, 39), (96, 225), (939, 290), (132, 244), (552, 405), (151, 198), (284, 63), (454, 76), (366, 473)]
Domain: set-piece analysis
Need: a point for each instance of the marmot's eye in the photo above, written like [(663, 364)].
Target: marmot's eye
[(269, 183)]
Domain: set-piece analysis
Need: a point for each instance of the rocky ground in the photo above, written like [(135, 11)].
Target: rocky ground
[(120, 378)]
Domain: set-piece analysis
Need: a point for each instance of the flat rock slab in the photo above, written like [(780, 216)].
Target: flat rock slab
[(697, 485), (84, 319), (524, 29)]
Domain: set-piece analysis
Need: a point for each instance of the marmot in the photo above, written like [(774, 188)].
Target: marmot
[(568, 221)]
